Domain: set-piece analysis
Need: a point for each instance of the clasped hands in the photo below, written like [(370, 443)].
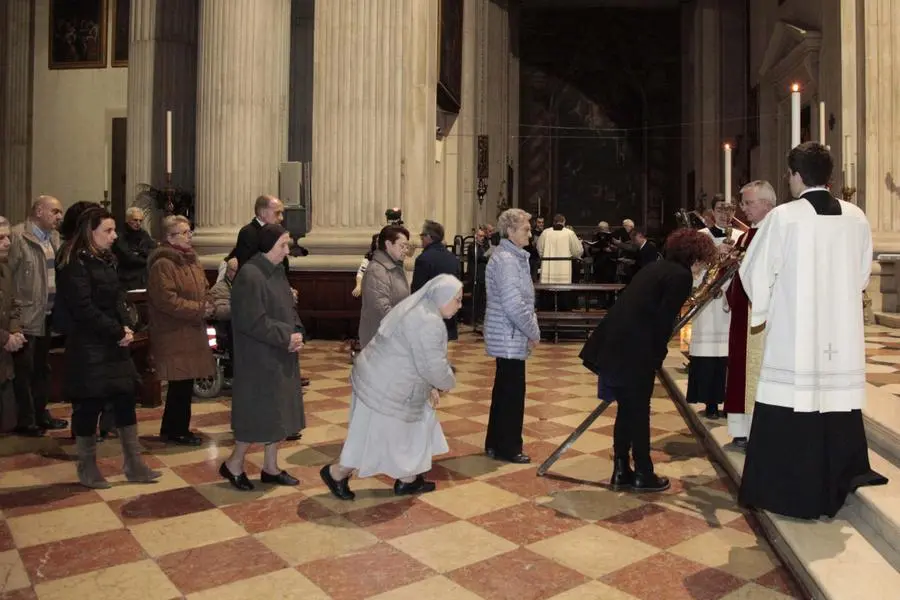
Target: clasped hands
[(15, 342), (296, 342), (129, 337)]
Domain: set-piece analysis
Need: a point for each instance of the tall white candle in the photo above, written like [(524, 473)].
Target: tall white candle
[(727, 170), (106, 158), (795, 115), (169, 142), (822, 123)]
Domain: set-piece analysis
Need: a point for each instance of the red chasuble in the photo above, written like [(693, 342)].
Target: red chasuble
[(739, 304)]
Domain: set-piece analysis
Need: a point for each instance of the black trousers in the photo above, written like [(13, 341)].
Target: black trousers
[(504, 431), (631, 432), (32, 382), (177, 414), (86, 413)]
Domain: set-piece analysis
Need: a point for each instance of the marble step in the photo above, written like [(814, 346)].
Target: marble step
[(882, 418), (853, 555), (888, 319)]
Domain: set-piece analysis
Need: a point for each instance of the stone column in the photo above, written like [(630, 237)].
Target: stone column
[(301, 80), (162, 76), (373, 118), (878, 174), (17, 62), (707, 95), (242, 112)]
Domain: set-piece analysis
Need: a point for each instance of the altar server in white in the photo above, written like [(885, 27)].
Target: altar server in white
[(709, 331), (804, 274)]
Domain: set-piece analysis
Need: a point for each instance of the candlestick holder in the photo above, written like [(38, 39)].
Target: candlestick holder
[(105, 202), (848, 193), (170, 195)]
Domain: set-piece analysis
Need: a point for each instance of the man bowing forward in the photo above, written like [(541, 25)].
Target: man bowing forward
[(804, 275)]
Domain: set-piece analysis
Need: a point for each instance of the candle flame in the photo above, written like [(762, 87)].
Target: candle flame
[(728, 146), (795, 87)]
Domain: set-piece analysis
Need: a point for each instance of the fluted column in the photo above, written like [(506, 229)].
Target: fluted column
[(707, 92), (301, 80), (16, 60), (879, 174), (242, 111), (373, 118), (162, 76)]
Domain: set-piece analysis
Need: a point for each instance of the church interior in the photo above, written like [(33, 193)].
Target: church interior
[(452, 111)]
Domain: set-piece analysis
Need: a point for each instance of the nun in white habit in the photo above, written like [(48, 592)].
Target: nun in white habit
[(397, 379)]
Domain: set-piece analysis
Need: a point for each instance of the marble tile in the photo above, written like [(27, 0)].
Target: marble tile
[(222, 493), (326, 538), (589, 503), (589, 442), (520, 575), (142, 580), (480, 465), (396, 519), (123, 489), (673, 577), (780, 580), (6, 539), (753, 591), (13, 575), (366, 572), (433, 588), (25, 593), (526, 523), (74, 556), (271, 513), (593, 590), (286, 584), (183, 533), (471, 499), (63, 524), (461, 427), (526, 484), (160, 505), (729, 550), (42, 498), (588, 468), (656, 525), (370, 491), (592, 550), (219, 564), (544, 430), (452, 546)]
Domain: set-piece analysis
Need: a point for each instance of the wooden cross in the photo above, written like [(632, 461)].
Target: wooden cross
[(830, 352)]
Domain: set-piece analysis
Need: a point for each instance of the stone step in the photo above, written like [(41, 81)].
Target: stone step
[(853, 555), (888, 319)]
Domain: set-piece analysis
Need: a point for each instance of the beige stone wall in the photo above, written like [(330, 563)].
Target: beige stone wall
[(73, 109)]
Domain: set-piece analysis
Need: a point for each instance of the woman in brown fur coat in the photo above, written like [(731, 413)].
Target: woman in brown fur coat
[(177, 290)]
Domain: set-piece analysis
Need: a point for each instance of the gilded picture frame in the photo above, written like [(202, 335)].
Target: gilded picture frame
[(77, 34)]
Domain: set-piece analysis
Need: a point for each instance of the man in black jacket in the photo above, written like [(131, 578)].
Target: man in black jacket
[(132, 248), (646, 250), (630, 344), (435, 260)]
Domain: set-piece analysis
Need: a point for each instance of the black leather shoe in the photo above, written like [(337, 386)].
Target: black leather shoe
[(241, 482), (622, 477), (712, 413), (739, 444), (283, 478), (519, 459), (650, 482), (52, 423), (304, 381), (29, 431), (340, 489), (187, 439), (293, 437), (419, 486)]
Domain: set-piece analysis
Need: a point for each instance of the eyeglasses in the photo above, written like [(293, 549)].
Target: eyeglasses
[(186, 233)]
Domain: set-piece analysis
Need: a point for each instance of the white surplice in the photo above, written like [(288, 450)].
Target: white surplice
[(804, 274), (709, 329), (558, 243)]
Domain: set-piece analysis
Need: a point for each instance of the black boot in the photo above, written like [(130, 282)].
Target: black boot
[(622, 477), (648, 481)]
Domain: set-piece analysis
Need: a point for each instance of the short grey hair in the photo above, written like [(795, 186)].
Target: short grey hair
[(172, 221), (4, 222), (134, 210), (764, 191), (511, 219), (433, 230)]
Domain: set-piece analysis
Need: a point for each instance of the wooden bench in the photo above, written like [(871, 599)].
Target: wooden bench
[(578, 321)]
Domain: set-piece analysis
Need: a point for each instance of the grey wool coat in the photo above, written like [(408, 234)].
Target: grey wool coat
[(267, 398)]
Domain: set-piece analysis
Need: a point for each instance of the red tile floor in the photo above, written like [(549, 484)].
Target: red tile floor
[(491, 531)]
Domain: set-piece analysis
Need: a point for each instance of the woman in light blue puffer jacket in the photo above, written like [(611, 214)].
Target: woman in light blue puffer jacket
[(510, 333)]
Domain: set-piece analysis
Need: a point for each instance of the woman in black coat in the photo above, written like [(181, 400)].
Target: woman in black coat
[(99, 369), (630, 344)]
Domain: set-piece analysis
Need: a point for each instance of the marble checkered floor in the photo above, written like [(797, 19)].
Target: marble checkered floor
[(491, 531)]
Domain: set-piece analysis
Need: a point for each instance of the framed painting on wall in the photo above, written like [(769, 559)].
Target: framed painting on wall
[(77, 34), (119, 44), (449, 88)]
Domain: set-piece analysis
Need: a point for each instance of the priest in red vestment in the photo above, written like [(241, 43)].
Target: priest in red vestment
[(757, 199)]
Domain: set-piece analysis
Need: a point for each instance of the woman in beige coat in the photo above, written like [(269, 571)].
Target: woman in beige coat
[(177, 291), (384, 285)]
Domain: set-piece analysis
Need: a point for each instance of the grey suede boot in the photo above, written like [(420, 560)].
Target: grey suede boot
[(136, 470), (88, 473)]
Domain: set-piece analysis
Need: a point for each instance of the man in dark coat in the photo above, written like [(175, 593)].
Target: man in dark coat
[(629, 346), (435, 260), (132, 248), (646, 250), (11, 336), (477, 258)]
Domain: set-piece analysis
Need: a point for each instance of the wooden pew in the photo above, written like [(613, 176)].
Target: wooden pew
[(578, 321)]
